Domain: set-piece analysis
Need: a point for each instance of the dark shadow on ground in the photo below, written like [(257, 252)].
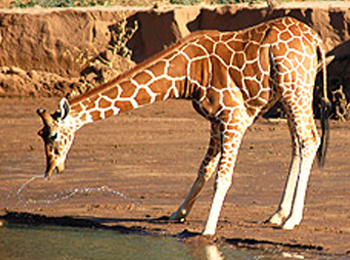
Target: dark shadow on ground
[(114, 224)]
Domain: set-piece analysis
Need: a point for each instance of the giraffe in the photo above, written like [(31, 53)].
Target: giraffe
[(231, 78)]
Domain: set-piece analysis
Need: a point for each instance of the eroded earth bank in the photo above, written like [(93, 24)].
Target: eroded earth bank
[(126, 171)]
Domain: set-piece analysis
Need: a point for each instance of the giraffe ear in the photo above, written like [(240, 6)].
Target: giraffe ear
[(65, 109)]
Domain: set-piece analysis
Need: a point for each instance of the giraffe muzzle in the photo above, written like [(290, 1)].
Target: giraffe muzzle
[(53, 168), (50, 171)]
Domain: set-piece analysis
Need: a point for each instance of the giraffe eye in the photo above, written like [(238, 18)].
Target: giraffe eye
[(54, 136)]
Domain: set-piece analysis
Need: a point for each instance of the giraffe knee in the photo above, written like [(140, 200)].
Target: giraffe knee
[(205, 174), (309, 147), (207, 169), (223, 182), (315, 140), (314, 135)]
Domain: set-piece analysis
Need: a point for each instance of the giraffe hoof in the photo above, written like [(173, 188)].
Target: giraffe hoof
[(166, 219), (208, 232), (176, 217), (290, 224), (178, 220), (276, 219), (182, 220)]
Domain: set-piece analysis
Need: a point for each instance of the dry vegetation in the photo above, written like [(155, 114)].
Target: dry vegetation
[(65, 3), (99, 67)]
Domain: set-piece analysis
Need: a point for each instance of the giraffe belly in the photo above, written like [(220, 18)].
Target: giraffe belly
[(211, 107), (205, 108), (207, 101)]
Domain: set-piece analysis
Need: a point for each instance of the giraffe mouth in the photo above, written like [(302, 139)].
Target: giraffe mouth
[(50, 172), (53, 168)]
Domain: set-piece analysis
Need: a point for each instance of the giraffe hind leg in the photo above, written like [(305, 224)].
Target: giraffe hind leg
[(305, 143), (285, 205), (308, 143), (207, 168)]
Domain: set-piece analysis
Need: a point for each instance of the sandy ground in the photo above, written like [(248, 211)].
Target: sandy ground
[(150, 156)]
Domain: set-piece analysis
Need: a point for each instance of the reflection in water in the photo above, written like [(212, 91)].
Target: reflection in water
[(56, 243), (201, 250), (226, 252), (212, 252)]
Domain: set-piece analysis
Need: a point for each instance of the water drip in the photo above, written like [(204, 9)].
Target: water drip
[(69, 194)]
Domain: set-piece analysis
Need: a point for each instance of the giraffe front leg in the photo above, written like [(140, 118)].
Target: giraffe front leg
[(185, 208), (231, 140), (222, 185), (206, 170)]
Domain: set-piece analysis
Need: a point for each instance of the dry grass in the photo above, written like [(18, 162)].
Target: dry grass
[(99, 67), (7, 3)]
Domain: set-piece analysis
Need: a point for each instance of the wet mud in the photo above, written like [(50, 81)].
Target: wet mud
[(151, 156)]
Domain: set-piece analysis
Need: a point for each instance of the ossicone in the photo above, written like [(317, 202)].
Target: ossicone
[(46, 117)]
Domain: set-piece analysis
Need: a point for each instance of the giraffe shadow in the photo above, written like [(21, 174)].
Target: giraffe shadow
[(115, 224), (261, 225), (163, 220)]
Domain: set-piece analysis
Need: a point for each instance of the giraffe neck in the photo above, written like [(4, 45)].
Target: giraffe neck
[(161, 78)]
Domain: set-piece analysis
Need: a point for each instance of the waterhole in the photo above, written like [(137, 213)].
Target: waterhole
[(46, 242)]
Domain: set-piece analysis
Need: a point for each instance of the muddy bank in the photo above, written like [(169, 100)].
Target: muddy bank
[(186, 236), (150, 156)]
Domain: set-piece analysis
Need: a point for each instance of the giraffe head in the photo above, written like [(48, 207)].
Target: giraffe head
[(58, 134)]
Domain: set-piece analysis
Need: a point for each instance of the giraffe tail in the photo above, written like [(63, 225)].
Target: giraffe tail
[(325, 111)]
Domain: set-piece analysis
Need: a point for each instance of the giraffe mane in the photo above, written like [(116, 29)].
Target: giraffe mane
[(139, 67)]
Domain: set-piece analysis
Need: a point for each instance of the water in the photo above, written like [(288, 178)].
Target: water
[(68, 194), (19, 242)]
